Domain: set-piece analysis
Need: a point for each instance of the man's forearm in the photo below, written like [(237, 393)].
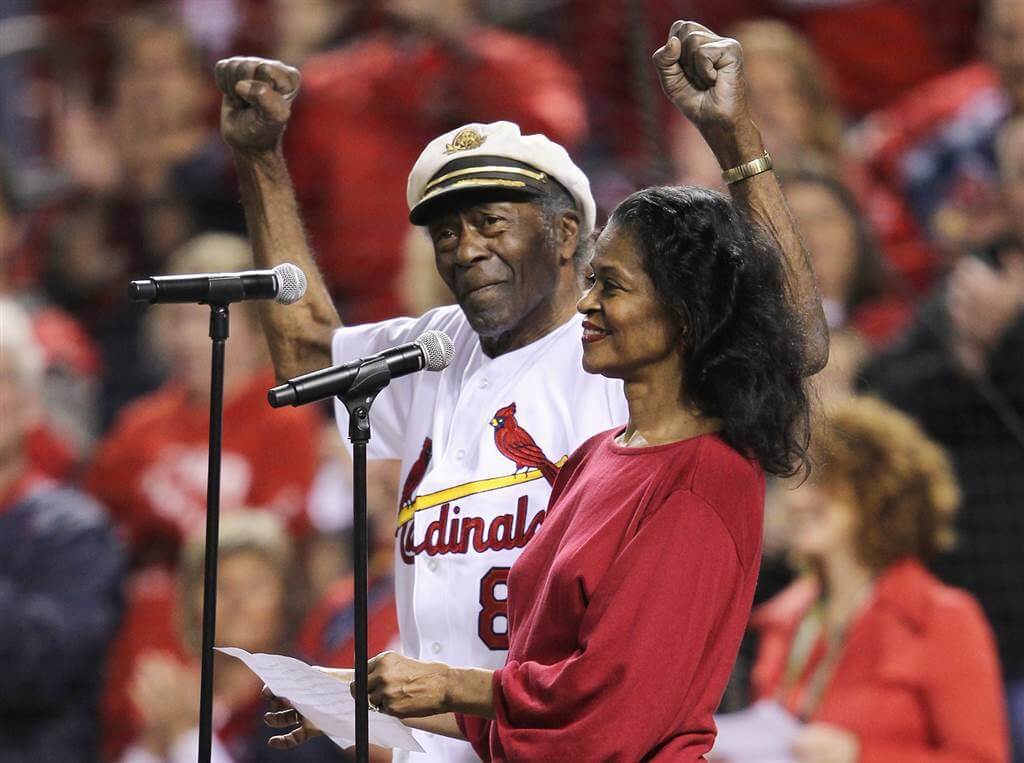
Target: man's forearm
[(299, 335), (761, 197)]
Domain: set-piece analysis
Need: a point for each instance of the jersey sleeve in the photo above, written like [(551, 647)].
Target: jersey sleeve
[(651, 624), (392, 407)]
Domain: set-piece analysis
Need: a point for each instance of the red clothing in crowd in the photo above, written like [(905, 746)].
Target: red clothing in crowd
[(363, 117), (903, 244), (150, 624), (151, 469), (918, 676), (917, 118), (934, 147), (153, 624), (627, 608), (930, 38), (611, 45), (73, 363), (328, 635)]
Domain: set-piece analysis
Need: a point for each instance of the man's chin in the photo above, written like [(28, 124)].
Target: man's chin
[(486, 319)]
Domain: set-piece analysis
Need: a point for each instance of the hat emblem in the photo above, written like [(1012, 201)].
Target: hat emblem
[(464, 140)]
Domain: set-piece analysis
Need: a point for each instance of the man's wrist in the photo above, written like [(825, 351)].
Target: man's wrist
[(265, 161)]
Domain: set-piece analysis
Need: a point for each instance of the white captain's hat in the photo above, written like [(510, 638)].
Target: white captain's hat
[(494, 156)]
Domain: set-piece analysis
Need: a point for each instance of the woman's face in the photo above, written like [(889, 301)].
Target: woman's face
[(821, 521), (830, 234), (250, 602), (777, 101), (183, 336), (627, 333)]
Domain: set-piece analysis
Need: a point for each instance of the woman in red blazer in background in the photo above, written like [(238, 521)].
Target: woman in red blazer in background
[(881, 660)]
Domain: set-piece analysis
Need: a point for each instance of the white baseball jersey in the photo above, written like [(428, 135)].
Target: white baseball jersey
[(480, 443)]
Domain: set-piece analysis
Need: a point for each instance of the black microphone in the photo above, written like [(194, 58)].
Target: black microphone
[(433, 351), (285, 284)]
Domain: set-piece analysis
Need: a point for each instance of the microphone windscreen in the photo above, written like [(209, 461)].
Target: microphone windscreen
[(438, 349), (291, 283)]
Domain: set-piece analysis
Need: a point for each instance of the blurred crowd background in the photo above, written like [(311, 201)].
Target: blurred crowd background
[(896, 126)]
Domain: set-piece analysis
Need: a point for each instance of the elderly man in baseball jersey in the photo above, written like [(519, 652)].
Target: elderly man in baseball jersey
[(480, 444)]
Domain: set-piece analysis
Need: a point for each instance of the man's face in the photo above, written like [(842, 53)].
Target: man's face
[(159, 88), (1011, 168), (499, 261), (1004, 43)]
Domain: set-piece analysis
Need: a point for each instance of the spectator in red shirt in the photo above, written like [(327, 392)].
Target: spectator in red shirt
[(361, 121), (625, 612), (151, 468), (879, 659), (936, 145), (151, 708)]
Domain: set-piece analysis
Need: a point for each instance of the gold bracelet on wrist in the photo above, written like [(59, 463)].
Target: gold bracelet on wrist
[(748, 169)]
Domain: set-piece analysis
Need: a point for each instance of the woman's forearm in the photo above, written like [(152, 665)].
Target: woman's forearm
[(444, 725), (470, 691), (408, 688)]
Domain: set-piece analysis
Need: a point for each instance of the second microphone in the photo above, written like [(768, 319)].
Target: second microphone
[(432, 351)]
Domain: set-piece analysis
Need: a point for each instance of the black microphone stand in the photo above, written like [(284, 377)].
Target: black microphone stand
[(216, 290), (371, 378), (219, 336)]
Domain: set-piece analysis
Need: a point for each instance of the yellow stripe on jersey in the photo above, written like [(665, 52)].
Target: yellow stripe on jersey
[(449, 494)]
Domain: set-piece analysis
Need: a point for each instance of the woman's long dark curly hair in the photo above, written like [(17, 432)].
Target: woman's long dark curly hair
[(743, 352)]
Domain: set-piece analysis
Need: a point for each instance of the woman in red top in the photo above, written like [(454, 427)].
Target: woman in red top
[(626, 610), (882, 661)]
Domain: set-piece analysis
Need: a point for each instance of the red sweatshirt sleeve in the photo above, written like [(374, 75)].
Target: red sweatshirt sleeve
[(648, 647), (964, 694)]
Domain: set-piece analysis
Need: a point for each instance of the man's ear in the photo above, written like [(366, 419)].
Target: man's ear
[(567, 231)]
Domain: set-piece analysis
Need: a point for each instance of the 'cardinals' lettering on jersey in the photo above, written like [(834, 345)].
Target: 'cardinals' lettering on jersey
[(480, 444)]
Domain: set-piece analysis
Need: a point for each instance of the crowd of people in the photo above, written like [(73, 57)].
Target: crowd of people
[(890, 598)]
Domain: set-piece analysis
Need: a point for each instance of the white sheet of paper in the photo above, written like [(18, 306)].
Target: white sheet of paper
[(763, 733), (324, 700)]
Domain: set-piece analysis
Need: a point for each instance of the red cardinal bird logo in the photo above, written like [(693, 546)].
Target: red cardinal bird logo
[(416, 472), (515, 444)]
